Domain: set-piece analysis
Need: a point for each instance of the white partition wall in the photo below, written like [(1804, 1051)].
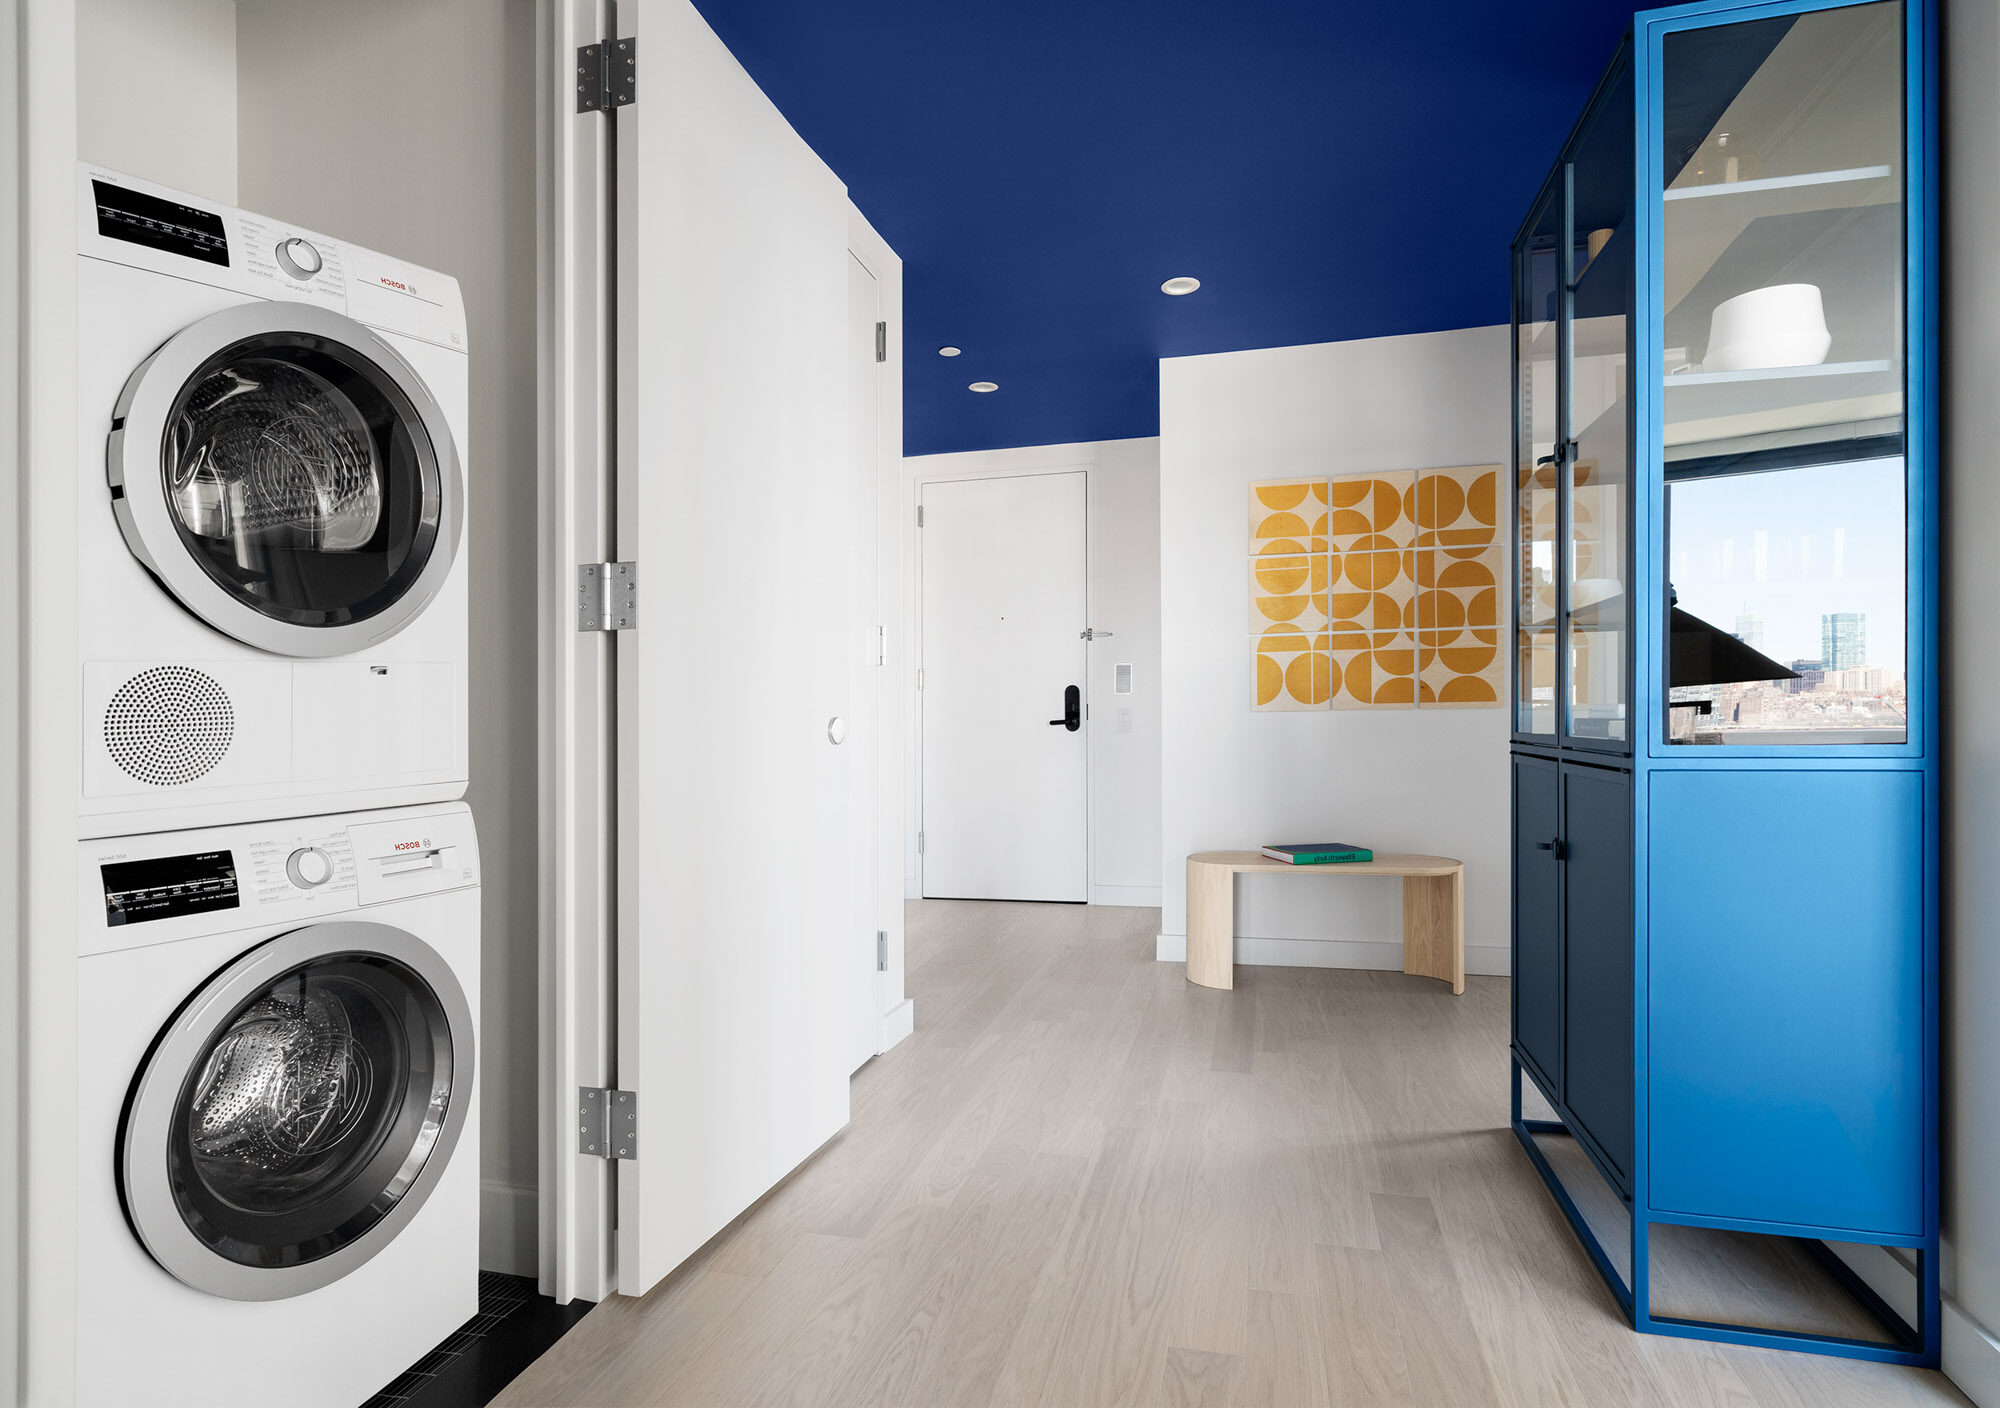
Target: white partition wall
[(11, 741), (1430, 781), (42, 723)]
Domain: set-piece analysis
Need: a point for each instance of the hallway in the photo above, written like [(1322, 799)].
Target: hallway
[(1084, 1182)]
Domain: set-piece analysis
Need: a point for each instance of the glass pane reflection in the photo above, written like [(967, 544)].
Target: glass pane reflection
[(1789, 604)]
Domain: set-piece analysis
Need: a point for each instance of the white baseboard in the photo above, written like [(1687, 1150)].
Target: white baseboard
[(898, 1022), (1135, 896), (509, 1218), (1971, 1356), (1487, 959), (1971, 1353)]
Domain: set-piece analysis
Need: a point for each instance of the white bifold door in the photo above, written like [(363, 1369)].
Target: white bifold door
[(1004, 659), (742, 736)]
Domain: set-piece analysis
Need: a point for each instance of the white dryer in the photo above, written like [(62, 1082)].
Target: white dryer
[(272, 595), (278, 1193)]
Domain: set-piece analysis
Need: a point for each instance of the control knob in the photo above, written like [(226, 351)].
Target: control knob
[(298, 258), (309, 867)]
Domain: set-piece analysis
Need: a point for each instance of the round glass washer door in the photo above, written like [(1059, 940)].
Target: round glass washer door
[(288, 477), (297, 1111)]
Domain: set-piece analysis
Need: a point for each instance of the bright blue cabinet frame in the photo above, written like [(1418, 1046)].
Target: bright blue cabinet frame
[(1905, 775)]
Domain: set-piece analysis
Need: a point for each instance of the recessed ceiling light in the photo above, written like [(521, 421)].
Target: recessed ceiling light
[(1180, 286), (984, 386), (949, 351)]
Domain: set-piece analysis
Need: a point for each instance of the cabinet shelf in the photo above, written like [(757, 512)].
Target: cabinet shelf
[(1779, 183), (1673, 379)]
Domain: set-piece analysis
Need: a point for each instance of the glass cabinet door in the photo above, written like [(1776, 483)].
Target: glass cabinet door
[(1781, 282), (1598, 273), (1537, 286)]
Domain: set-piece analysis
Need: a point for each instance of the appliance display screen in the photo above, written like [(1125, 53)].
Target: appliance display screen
[(139, 891), (137, 218)]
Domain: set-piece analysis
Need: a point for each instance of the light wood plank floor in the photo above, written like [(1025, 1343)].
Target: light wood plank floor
[(1085, 1182)]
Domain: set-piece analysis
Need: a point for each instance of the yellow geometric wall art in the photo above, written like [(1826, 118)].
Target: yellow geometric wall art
[(1373, 670), (1288, 516), (1459, 661), (1371, 511), (1288, 591), (1376, 591), (1290, 670)]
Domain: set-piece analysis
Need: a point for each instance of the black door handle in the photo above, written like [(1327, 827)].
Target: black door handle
[(1555, 846), (1072, 718)]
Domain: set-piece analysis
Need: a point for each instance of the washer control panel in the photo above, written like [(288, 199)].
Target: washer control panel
[(309, 867), (179, 884), (305, 268), (299, 257), (287, 864)]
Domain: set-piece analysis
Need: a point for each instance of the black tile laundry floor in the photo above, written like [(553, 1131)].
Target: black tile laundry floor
[(514, 1325)]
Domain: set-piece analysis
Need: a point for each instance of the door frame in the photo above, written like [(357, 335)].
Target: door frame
[(576, 718), (912, 858)]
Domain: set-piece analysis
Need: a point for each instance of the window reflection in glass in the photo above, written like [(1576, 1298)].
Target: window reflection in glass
[(1601, 266), (1782, 357), (1535, 493), (1789, 606)]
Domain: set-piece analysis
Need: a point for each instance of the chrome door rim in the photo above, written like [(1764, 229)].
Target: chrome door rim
[(145, 517), (144, 1179)]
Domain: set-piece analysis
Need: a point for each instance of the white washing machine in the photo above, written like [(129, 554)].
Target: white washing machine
[(272, 594), (278, 1191)]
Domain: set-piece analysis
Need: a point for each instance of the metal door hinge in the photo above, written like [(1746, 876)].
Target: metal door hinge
[(920, 515), (881, 951), (920, 843), (920, 680), (607, 75), (607, 596), (881, 645), (881, 342), (607, 1122)]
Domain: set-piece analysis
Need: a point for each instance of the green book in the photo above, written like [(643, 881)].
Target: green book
[(1319, 853)]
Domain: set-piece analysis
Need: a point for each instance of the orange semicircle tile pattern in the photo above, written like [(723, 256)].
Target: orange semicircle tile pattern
[(1376, 591)]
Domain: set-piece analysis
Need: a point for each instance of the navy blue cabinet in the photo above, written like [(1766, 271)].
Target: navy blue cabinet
[(1597, 963), (1537, 923), (1724, 585)]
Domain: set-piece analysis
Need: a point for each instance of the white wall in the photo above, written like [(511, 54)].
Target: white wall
[(427, 151), (1971, 50), (1123, 509), (13, 741), (49, 730), (1424, 780), (156, 85)]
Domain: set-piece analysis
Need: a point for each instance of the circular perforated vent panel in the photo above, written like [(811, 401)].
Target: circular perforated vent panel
[(169, 725)]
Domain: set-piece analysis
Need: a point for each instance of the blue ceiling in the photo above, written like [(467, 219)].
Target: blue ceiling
[(1327, 169)]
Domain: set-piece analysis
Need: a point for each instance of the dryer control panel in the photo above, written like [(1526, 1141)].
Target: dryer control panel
[(148, 226), (136, 891)]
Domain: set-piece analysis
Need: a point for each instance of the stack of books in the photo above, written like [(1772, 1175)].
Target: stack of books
[(1319, 853)]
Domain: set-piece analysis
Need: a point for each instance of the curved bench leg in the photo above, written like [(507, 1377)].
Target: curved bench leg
[(1211, 925), (1433, 928)]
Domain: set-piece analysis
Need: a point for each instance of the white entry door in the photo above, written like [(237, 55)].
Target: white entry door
[(1004, 611)]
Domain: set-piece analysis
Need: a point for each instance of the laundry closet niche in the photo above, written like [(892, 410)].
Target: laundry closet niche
[(409, 130)]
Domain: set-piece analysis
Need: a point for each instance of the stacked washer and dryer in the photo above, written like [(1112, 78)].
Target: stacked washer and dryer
[(279, 956)]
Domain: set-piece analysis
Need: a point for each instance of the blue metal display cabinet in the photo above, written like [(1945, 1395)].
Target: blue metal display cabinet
[(1725, 716)]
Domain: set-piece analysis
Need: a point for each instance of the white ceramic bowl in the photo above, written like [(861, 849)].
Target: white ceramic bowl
[(1780, 326)]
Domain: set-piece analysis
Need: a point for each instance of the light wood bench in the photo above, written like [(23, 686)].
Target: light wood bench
[(1433, 911)]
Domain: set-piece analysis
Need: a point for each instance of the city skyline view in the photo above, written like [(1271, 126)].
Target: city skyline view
[(1775, 555)]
